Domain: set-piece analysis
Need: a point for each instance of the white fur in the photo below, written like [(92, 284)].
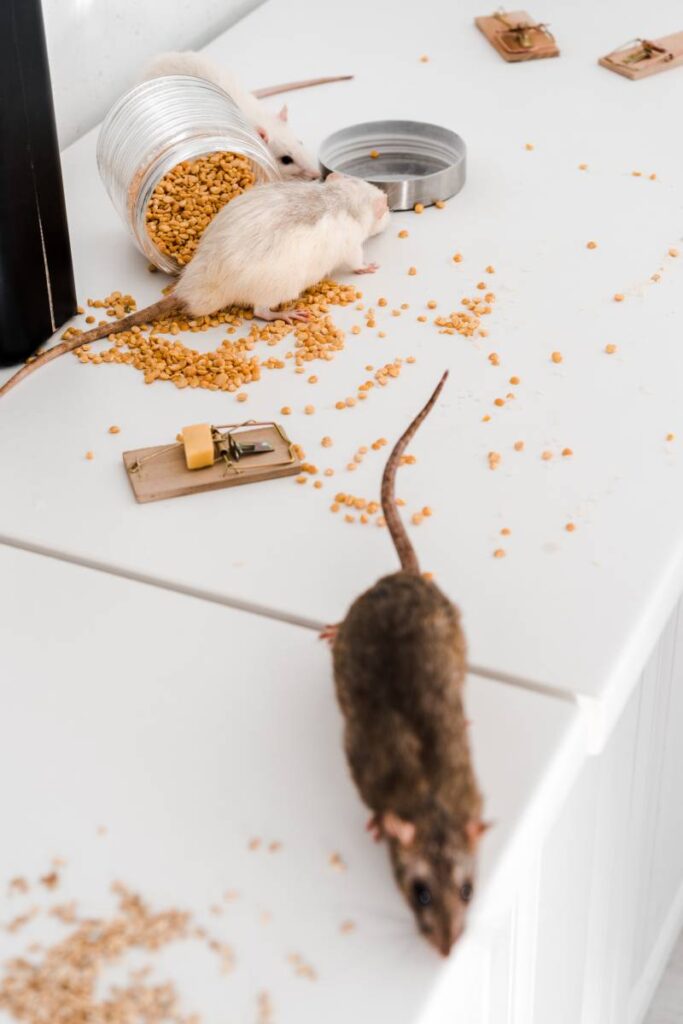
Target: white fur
[(271, 243), (273, 128)]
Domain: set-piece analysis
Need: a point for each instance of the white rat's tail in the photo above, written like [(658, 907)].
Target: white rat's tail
[(188, 62)]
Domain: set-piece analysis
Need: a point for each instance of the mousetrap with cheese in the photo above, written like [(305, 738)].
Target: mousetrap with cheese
[(643, 57), (207, 458), (516, 36)]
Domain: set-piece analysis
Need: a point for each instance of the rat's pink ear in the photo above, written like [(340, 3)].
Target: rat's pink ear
[(264, 134), (474, 830), (284, 113), (397, 828), (380, 206)]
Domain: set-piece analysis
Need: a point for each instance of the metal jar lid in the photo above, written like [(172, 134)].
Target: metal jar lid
[(412, 161)]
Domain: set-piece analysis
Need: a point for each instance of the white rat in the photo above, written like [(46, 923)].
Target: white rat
[(292, 159), (271, 243), (265, 247)]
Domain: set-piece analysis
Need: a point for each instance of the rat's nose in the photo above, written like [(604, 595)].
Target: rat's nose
[(311, 175)]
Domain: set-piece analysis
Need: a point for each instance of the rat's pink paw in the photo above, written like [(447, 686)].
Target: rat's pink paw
[(369, 268), (374, 827), (288, 315), (329, 633)]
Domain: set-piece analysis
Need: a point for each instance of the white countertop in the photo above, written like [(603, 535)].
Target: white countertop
[(577, 612), (149, 737)]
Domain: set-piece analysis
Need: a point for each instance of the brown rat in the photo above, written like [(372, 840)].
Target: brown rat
[(399, 667), (264, 248)]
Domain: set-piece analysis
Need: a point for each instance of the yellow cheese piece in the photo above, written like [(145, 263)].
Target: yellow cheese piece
[(198, 445)]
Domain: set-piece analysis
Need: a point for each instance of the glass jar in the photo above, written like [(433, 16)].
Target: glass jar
[(159, 124)]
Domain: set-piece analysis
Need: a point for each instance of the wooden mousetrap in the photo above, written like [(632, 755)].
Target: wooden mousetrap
[(516, 36), (224, 456), (643, 57)]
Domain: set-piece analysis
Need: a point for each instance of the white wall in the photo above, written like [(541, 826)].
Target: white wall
[(97, 47)]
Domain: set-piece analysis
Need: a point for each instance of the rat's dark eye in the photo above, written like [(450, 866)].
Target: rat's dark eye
[(286, 159), (466, 892), (422, 894)]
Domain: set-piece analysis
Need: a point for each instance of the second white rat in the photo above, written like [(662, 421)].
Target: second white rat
[(292, 159), (262, 249)]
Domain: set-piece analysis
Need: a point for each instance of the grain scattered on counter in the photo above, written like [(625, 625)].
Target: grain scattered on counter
[(556, 357), (610, 349), (234, 363), (336, 862), (302, 969), (64, 982), (265, 1010)]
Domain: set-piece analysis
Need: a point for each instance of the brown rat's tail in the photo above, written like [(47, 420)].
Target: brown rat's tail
[(402, 543), (158, 310)]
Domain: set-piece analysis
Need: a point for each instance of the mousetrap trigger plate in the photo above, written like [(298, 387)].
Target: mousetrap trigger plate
[(244, 453)]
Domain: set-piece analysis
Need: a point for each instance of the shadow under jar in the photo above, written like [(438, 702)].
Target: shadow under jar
[(148, 142)]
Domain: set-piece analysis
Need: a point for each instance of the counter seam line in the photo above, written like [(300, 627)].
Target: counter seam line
[(258, 609)]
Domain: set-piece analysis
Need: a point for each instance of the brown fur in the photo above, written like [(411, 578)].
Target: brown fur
[(399, 667)]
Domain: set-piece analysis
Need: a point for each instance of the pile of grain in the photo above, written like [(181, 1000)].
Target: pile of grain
[(189, 196), (233, 363)]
